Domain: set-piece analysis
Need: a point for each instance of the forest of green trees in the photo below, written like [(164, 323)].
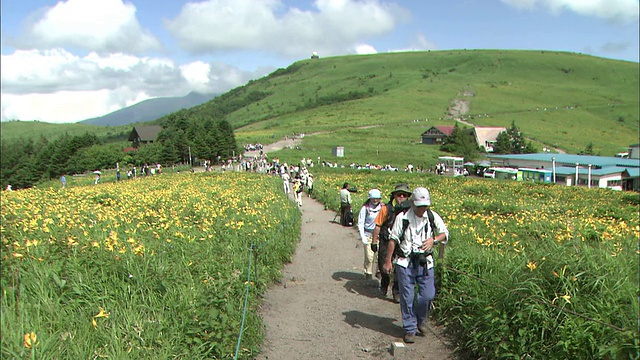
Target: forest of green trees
[(26, 162)]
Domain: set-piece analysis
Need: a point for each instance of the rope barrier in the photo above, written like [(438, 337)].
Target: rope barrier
[(253, 252), (246, 300)]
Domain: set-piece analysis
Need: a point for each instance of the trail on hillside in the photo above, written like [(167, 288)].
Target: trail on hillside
[(460, 107)]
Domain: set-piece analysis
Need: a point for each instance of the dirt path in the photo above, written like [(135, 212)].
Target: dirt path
[(324, 309), (278, 145)]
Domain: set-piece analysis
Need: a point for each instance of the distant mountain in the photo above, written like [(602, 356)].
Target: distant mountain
[(149, 110)]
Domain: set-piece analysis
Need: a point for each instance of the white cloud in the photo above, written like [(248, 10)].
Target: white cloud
[(332, 27), (419, 43), (57, 86), (49, 71), (101, 26), (363, 49), (58, 107), (197, 74), (224, 77), (615, 10)]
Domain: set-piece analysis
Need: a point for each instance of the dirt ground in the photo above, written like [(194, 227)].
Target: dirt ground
[(324, 309)]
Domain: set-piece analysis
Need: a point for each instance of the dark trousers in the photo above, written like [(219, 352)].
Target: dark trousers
[(344, 210), (385, 279)]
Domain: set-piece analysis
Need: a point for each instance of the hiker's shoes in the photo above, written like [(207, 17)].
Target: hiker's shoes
[(396, 298), (409, 338), (422, 328), (383, 292)]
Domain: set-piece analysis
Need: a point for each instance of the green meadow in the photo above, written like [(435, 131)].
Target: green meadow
[(130, 270)]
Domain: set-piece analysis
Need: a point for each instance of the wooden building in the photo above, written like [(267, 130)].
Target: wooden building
[(436, 135), (145, 134)]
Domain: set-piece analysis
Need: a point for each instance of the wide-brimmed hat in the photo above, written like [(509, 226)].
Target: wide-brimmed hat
[(401, 188)]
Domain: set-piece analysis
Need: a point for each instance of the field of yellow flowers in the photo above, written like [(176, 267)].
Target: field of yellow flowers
[(148, 268), (159, 267), (531, 270)]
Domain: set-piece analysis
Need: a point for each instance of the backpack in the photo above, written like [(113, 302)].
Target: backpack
[(393, 212), (348, 221)]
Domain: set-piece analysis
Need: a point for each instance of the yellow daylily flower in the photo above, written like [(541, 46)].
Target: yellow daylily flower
[(566, 298), (102, 314), (30, 340), (531, 265)]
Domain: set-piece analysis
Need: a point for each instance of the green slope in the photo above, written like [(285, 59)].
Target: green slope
[(587, 99), (14, 130), (365, 102)]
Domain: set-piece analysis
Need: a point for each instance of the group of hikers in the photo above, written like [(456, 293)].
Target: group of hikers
[(296, 179), (402, 232)]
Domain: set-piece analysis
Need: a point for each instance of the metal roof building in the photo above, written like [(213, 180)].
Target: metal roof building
[(582, 170)]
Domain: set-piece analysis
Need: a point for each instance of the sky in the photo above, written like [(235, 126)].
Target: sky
[(71, 60)]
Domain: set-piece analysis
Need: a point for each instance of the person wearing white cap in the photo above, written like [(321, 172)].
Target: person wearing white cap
[(380, 241), (415, 234), (366, 225)]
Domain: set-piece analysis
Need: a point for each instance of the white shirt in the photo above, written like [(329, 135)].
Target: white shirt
[(417, 232), (366, 221), (345, 196)]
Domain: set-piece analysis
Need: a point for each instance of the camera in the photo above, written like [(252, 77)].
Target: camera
[(422, 259)]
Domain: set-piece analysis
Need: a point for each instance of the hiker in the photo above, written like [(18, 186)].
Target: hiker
[(285, 182), (380, 240), (309, 184), (345, 206), (414, 234), (366, 225), (297, 190), (63, 180)]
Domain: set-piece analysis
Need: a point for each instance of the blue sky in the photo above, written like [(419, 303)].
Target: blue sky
[(66, 61)]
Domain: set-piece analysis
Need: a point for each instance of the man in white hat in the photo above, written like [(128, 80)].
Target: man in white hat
[(415, 234)]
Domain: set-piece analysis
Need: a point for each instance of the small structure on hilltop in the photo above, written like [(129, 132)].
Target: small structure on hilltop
[(314, 55)]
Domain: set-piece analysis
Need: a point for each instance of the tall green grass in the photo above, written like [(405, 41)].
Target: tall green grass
[(153, 268), (531, 270)]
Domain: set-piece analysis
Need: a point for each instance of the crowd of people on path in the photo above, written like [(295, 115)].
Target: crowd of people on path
[(402, 232), (398, 235), (295, 179)]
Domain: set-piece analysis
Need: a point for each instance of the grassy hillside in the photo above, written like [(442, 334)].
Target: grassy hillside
[(13, 130), (366, 102), (558, 99)]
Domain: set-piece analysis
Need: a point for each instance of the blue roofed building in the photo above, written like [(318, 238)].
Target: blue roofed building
[(581, 170)]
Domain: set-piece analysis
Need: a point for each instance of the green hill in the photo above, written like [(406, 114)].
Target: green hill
[(557, 99), (14, 130), (367, 102)]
